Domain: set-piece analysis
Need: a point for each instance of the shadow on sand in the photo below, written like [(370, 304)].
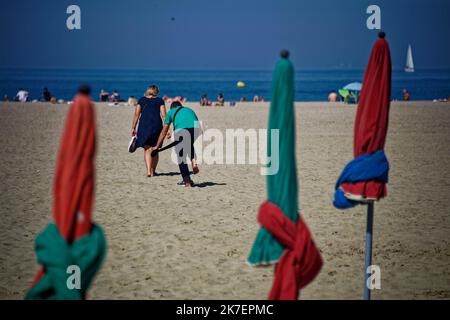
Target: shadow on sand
[(196, 185), (208, 184), (167, 174)]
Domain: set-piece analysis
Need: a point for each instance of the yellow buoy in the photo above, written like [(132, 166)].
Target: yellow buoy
[(240, 84)]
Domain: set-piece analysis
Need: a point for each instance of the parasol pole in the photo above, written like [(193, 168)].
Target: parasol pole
[(368, 252)]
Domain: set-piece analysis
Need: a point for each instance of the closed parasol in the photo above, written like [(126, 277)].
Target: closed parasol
[(284, 238), (72, 241), (364, 179)]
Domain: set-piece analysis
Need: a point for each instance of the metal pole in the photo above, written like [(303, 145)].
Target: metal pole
[(368, 257)]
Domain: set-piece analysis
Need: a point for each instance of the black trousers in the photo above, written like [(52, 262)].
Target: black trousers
[(185, 149)]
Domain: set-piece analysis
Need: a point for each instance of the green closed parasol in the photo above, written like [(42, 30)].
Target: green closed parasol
[(284, 237), (282, 188)]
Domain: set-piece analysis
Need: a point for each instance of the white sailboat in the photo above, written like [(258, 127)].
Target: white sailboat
[(409, 61)]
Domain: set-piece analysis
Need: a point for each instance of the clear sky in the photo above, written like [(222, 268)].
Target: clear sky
[(219, 34)]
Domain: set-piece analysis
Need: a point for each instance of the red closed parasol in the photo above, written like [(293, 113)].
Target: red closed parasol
[(73, 201), (372, 118), (74, 180), (364, 179)]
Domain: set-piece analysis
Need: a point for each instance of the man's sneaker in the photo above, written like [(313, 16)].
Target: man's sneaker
[(185, 184)]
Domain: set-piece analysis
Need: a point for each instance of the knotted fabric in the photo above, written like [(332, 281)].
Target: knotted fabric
[(300, 261), (56, 256)]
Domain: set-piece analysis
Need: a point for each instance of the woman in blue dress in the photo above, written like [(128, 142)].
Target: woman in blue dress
[(151, 113)]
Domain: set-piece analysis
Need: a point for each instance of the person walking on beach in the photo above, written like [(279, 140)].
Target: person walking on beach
[(150, 111), (186, 129)]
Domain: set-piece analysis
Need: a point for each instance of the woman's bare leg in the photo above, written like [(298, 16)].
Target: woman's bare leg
[(148, 160), (153, 164)]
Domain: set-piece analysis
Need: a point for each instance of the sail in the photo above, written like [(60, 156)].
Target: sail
[(409, 60)]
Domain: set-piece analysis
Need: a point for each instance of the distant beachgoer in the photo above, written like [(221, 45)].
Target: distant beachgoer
[(5, 98), (53, 100), (333, 97), (150, 112), (406, 96), (115, 97), (220, 100), (103, 96), (179, 98), (256, 99), (132, 102), (350, 98), (186, 128), (204, 101), (169, 100), (22, 95), (46, 95), (243, 99)]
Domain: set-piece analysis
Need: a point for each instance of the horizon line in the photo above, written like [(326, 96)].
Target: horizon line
[(336, 68)]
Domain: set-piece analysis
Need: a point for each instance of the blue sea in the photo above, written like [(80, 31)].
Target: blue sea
[(311, 85)]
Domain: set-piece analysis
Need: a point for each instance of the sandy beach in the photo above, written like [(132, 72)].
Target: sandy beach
[(168, 242)]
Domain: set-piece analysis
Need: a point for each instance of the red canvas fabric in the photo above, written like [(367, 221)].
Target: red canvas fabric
[(301, 260), (372, 117), (73, 189), (74, 179)]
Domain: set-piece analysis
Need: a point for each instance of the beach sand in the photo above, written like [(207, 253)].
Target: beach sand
[(168, 242)]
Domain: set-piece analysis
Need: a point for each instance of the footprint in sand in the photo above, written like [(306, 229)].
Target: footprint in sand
[(233, 253)]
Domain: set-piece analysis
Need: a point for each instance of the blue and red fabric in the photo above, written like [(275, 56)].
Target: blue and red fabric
[(364, 178)]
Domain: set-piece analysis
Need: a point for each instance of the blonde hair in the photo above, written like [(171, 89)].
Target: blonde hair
[(152, 91)]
